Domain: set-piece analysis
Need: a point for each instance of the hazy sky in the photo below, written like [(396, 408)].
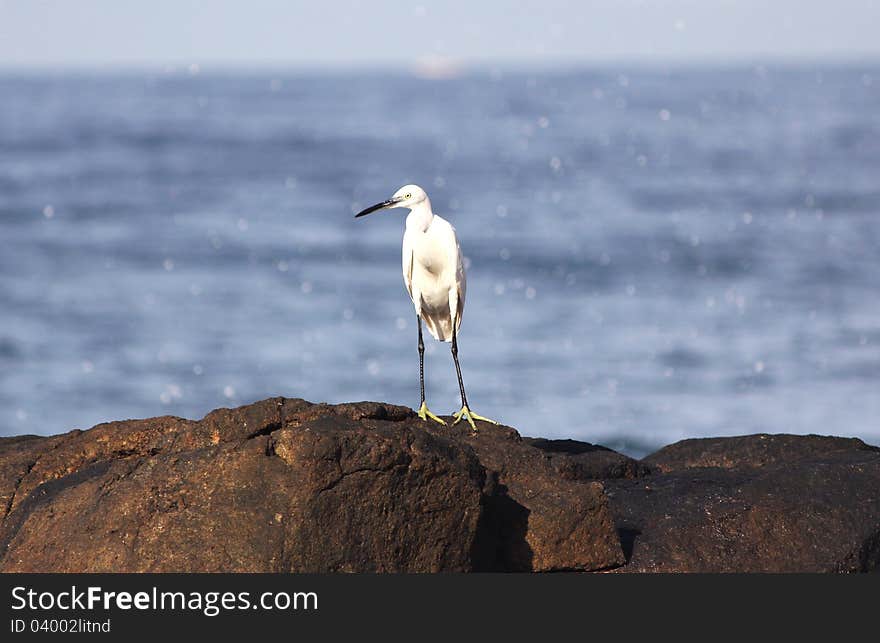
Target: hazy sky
[(350, 32)]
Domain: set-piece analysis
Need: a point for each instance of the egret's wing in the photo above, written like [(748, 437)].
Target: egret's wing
[(407, 257), (460, 279)]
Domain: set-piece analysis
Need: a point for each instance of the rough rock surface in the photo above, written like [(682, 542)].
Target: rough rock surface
[(286, 485), (538, 520), (750, 451), (760, 503), (575, 460)]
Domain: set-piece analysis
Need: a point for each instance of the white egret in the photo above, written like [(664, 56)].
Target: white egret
[(435, 280)]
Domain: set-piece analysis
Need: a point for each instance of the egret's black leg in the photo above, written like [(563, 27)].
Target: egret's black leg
[(457, 366), (421, 360), (424, 413), (465, 411)]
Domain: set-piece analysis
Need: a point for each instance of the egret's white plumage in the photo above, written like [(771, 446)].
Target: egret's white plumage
[(433, 272)]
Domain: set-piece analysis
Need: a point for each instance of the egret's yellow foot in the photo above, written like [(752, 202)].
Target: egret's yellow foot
[(424, 413), (470, 416)]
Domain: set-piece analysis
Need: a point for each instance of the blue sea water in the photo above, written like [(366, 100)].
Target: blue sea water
[(654, 254)]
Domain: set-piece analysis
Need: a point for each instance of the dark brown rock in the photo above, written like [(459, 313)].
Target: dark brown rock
[(753, 504), (20, 454), (536, 519), (574, 460), (750, 451), (286, 485)]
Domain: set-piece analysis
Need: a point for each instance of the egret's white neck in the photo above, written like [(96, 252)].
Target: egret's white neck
[(420, 216)]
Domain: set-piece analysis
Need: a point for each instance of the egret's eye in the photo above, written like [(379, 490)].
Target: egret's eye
[(407, 196)]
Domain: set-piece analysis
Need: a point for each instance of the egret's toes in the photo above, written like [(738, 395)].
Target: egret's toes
[(470, 416), (482, 419), (463, 413), (424, 413)]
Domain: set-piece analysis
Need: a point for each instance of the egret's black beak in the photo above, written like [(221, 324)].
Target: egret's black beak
[(379, 206)]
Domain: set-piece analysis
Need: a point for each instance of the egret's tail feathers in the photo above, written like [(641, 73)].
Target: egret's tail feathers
[(440, 326)]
